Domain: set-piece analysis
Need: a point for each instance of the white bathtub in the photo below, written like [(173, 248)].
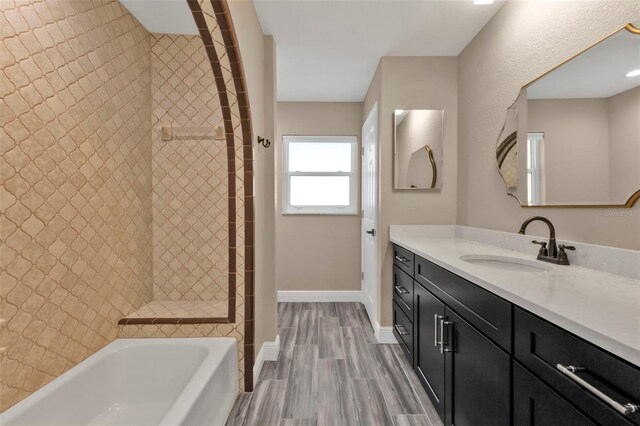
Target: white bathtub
[(139, 382)]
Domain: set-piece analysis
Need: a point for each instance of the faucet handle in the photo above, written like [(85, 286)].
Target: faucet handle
[(543, 247), (562, 255)]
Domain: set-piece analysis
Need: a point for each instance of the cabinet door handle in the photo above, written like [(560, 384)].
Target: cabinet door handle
[(401, 259), (570, 371), (401, 330), (401, 290), (436, 341), (445, 344)]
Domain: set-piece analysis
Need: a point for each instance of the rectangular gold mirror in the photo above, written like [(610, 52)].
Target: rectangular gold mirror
[(418, 137)]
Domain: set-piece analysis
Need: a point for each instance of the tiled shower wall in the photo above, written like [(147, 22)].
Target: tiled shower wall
[(190, 191), (236, 164), (76, 184)]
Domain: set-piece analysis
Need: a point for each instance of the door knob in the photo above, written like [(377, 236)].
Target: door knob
[(371, 232)]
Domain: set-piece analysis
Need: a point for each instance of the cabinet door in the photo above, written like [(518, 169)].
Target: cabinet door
[(480, 377), (429, 361), (535, 404)]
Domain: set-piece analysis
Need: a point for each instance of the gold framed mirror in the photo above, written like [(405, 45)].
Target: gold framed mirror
[(572, 136)]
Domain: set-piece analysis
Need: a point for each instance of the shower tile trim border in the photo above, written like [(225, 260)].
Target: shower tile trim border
[(184, 320), (225, 23)]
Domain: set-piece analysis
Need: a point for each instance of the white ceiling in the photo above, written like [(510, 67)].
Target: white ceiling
[(328, 50), (163, 16), (597, 73)]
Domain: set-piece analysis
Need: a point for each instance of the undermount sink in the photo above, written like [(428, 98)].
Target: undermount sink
[(505, 263)]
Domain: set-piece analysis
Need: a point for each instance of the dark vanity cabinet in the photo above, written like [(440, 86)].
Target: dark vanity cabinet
[(485, 361), (403, 289), (451, 357), (453, 360)]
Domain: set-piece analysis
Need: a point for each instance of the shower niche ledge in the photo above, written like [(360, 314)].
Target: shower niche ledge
[(179, 312)]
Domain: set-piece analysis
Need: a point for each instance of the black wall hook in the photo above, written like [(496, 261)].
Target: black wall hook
[(264, 142)]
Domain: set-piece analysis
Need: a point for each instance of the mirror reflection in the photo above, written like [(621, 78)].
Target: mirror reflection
[(418, 148), (572, 137)]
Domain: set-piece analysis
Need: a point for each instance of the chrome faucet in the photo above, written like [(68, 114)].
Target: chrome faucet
[(549, 252)]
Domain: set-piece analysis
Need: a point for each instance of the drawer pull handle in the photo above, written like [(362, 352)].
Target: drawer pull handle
[(401, 290), (401, 330), (570, 371), (436, 340), (401, 259)]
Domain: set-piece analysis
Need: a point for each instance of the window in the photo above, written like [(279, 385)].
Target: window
[(319, 175), (534, 168)]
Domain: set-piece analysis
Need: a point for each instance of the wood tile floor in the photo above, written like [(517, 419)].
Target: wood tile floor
[(332, 372)]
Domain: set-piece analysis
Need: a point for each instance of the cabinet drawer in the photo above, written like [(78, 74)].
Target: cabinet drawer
[(485, 311), (536, 404), (403, 291), (404, 259), (403, 330), (542, 346)]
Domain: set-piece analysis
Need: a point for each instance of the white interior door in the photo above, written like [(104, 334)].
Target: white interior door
[(369, 231)]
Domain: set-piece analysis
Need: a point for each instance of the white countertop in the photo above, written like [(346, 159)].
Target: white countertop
[(600, 307)]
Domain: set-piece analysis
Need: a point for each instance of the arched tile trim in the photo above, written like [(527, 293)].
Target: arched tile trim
[(234, 62), (231, 43), (205, 34)]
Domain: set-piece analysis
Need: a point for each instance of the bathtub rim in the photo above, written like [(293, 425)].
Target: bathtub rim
[(212, 358), (183, 404)]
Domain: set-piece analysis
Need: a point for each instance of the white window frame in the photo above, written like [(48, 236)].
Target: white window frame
[(535, 142), (352, 208)]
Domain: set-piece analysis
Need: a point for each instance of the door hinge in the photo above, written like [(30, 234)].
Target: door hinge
[(362, 150), (362, 276), (362, 214)]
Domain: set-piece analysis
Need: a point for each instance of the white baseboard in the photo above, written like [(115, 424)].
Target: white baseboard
[(268, 352), (384, 334), (319, 296)]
